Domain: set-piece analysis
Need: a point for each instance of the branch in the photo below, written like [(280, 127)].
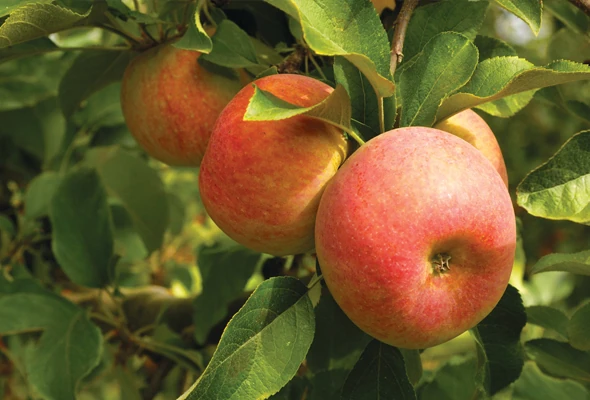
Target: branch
[(399, 35), (583, 5)]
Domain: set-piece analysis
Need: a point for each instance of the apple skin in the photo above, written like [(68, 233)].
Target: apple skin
[(403, 198), (170, 103), (261, 181), (469, 126)]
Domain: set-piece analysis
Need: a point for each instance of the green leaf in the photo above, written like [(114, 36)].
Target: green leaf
[(380, 373), (9, 5), (137, 187), (232, 47), (499, 77), (559, 359), (225, 269), (579, 328), (32, 21), (37, 46), (39, 130), (576, 263), (296, 389), (91, 71), (530, 11), (444, 65), (565, 44), (27, 81), (195, 38), (413, 365), (573, 17), (490, 47), (39, 194), (334, 109), (534, 385), (554, 96), (363, 98), (548, 318), (455, 380), (499, 351), (69, 348), (348, 28), (101, 109), (262, 346), (337, 346), (560, 188), (82, 229), (128, 242), (7, 226), (459, 16)]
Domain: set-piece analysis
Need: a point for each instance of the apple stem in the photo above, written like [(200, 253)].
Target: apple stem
[(440, 262)]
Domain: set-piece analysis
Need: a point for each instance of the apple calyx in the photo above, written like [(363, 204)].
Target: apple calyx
[(440, 263)]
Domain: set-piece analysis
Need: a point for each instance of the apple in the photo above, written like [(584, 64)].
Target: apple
[(416, 237), (261, 181), (469, 126), (170, 103)]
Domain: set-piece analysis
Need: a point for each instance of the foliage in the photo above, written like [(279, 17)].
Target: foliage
[(114, 283)]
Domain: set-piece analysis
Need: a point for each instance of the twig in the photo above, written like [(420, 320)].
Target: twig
[(583, 5), (399, 35)]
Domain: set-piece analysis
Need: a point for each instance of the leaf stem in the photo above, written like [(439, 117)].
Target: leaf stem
[(317, 66), (381, 113), (399, 34), (128, 37)]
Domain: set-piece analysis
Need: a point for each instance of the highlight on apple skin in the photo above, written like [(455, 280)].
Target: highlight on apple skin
[(469, 126), (170, 103), (261, 181), (416, 237)]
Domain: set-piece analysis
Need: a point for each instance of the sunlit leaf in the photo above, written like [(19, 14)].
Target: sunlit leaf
[(530, 11), (348, 28), (444, 65), (334, 109), (560, 188), (262, 346), (499, 77), (35, 20), (460, 16)]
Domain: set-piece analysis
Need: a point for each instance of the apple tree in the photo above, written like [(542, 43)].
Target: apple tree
[(163, 162)]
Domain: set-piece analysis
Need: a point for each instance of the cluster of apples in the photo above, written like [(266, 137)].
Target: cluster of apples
[(414, 231)]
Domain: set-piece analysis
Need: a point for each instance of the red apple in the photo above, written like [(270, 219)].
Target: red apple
[(469, 126), (416, 237), (170, 103), (261, 181)]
